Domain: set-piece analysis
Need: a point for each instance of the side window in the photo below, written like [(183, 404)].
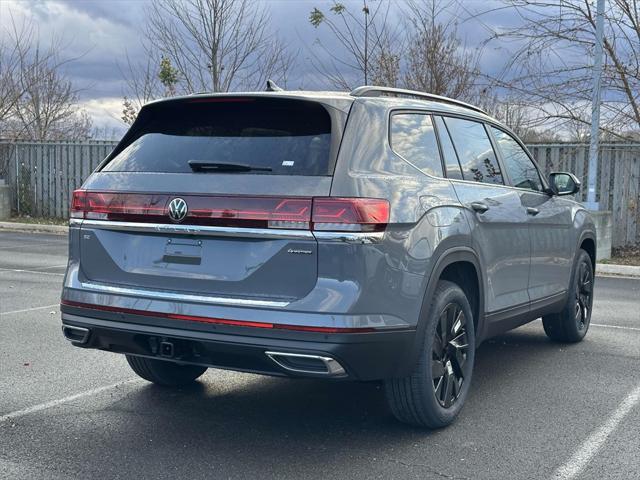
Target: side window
[(413, 138), (449, 153), (477, 158), (520, 169)]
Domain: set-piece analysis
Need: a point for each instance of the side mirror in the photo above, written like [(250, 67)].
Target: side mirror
[(564, 183)]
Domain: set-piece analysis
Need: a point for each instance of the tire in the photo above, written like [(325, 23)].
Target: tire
[(162, 372), (422, 398), (571, 324)]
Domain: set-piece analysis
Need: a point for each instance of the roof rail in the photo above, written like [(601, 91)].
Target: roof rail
[(372, 91)]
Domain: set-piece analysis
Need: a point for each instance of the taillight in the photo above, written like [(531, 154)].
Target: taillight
[(350, 214), (319, 213), (78, 204)]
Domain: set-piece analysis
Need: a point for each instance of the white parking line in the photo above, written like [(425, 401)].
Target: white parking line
[(29, 245), (70, 398), (19, 270), (55, 305), (592, 444), (602, 325)]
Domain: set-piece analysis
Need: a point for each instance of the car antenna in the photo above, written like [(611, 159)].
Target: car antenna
[(272, 87)]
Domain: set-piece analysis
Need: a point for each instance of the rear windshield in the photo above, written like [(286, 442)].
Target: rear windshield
[(272, 136)]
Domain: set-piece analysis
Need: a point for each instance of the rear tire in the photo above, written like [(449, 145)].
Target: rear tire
[(161, 372), (572, 323), (434, 393)]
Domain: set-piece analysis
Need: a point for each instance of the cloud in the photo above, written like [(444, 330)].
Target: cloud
[(97, 36), (105, 113)]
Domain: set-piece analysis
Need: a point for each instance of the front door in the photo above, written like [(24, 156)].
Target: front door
[(550, 221), (500, 232)]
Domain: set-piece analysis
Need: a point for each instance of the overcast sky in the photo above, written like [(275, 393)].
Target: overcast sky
[(98, 34)]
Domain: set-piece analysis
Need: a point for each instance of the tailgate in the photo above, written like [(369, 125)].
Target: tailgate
[(237, 225)]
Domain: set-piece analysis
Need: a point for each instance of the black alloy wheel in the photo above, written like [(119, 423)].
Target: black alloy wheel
[(583, 295), (449, 354), (572, 322)]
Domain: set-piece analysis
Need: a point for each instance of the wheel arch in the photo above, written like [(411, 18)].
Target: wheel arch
[(588, 243), (453, 264)]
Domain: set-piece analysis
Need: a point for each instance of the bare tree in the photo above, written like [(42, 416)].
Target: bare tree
[(142, 85), (153, 79), (437, 60), (15, 47), (216, 45), (551, 67), (428, 55), (37, 101), (48, 106), (516, 115), (367, 44)]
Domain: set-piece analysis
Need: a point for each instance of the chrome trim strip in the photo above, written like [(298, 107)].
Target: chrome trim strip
[(199, 230), (180, 297), (361, 238), (333, 367), (75, 222)]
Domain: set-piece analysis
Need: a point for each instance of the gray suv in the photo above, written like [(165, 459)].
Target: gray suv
[(381, 234)]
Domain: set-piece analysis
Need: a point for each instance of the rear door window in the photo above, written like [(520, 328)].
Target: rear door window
[(477, 158), (414, 139), (269, 136)]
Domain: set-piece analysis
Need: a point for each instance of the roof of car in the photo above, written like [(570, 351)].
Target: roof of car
[(389, 96)]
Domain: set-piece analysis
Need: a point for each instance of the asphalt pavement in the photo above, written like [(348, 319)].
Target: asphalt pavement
[(536, 409)]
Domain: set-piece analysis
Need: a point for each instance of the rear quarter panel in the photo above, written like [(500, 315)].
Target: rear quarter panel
[(426, 219)]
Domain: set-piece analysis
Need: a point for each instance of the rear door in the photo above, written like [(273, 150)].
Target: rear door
[(211, 196), (550, 221), (498, 219)]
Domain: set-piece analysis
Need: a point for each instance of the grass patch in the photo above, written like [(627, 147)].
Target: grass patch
[(625, 256), (39, 220)]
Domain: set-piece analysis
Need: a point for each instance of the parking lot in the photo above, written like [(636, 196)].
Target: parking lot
[(536, 409)]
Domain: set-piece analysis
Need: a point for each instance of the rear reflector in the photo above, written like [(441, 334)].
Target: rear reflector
[(319, 213), (217, 321)]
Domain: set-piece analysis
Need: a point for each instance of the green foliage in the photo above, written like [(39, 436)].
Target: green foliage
[(338, 8), (168, 76), (316, 17)]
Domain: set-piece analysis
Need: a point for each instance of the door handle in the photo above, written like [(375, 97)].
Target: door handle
[(532, 211), (479, 207)]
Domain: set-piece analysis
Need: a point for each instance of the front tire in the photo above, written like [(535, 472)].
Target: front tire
[(434, 393), (162, 372), (572, 323)]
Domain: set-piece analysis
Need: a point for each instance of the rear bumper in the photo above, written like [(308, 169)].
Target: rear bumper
[(362, 356)]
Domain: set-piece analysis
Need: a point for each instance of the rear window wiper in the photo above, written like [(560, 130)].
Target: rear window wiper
[(215, 167)]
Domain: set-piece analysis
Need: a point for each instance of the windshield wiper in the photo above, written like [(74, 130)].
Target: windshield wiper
[(215, 167)]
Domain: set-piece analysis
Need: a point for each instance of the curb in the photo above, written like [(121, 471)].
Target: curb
[(33, 227), (622, 270)]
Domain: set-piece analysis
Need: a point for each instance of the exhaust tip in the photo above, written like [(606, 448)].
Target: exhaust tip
[(78, 335), (309, 364)]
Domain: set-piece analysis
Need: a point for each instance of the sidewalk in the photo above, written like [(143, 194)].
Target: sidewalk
[(601, 269), (33, 227)]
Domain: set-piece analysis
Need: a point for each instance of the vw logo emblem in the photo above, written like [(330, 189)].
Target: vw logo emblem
[(177, 209)]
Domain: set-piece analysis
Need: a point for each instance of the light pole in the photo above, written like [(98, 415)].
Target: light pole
[(591, 203)]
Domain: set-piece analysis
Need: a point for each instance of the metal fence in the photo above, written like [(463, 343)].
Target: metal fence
[(42, 176), (617, 186)]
